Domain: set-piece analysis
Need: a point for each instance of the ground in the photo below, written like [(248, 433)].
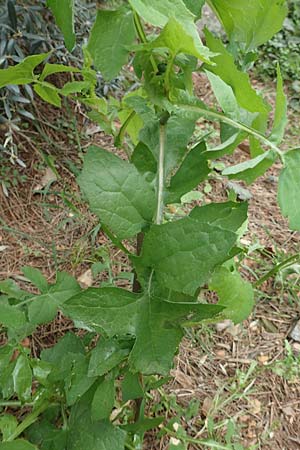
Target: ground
[(228, 380)]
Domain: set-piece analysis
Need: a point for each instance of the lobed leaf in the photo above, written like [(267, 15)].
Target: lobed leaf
[(184, 253)]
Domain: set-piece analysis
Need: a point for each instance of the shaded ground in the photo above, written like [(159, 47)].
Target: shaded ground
[(230, 371)]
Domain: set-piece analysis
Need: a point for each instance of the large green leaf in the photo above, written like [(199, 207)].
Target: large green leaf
[(280, 119), (239, 81), (19, 444), (230, 216), (117, 192), (289, 188), (107, 310), (235, 294), (251, 169), (159, 12), (250, 22), (63, 11), (43, 308), (111, 36), (21, 73), (158, 332), (193, 170), (184, 253), (22, 378), (153, 319)]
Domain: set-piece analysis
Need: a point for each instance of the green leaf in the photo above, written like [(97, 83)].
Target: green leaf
[(46, 436), (289, 188), (239, 81), (184, 253), (19, 444), (280, 119), (225, 95), (111, 36), (44, 307), (22, 378), (107, 310), (131, 387), (74, 87), (36, 277), (48, 93), (105, 356), (176, 39), (104, 399), (250, 22), (11, 316), (12, 290), (55, 355), (8, 424), (50, 69), (251, 169), (144, 160), (77, 382), (85, 434), (193, 170), (21, 73), (63, 11), (229, 216), (158, 14), (195, 6), (117, 192), (235, 294), (158, 331), (154, 322)]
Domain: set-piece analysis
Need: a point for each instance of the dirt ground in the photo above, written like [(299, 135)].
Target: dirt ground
[(229, 369)]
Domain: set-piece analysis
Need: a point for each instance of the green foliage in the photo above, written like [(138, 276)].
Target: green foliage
[(78, 394), (284, 48)]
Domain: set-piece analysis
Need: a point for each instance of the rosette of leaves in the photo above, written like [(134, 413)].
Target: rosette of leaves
[(84, 389)]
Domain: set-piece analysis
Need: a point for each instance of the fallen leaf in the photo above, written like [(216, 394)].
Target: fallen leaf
[(48, 177), (86, 279)]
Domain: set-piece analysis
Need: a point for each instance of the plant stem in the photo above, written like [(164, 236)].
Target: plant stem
[(143, 38), (235, 124), (276, 269), (13, 403), (161, 174), (29, 420)]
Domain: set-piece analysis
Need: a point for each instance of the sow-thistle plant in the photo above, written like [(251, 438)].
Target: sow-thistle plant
[(90, 391)]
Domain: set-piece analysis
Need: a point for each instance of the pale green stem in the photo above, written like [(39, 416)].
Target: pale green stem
[(161, 175), (235, 124), (29, 420)]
